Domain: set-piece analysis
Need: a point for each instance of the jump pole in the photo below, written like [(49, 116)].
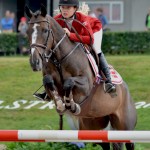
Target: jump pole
[(74, 136)]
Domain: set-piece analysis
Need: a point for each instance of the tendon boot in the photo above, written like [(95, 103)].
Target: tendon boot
[(42, 96), (109, 86)]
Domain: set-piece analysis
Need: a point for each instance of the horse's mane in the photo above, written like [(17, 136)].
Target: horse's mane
[(57, 28), (55, 24)]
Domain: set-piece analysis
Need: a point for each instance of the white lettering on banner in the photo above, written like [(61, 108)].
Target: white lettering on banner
[(146, 106), (33, 103), (25, 104), (142, 105), (16, 104), (19, 104)]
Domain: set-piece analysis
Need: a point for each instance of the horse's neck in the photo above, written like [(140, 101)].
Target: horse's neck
[(65, 45), (59, 33)]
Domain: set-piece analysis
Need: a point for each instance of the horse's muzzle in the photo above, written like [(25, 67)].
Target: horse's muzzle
[(36, 64)]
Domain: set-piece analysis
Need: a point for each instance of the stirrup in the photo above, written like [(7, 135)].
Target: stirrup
[(110, 88)]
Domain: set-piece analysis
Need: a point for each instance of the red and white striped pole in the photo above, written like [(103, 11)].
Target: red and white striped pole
[(74, 136)]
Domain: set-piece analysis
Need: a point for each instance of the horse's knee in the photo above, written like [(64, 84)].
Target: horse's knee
[(68, 84), (48, 81)]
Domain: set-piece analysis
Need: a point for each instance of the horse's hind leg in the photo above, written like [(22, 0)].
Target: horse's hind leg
[(117, 146), (124, 118), (119, 122), (129, 146), (95, 124), (105, 146)]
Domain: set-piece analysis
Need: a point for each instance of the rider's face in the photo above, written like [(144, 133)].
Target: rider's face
[(67, 11)]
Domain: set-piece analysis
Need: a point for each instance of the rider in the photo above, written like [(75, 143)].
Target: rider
[(68, 12)]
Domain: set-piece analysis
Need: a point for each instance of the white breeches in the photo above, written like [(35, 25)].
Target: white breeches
[(98, 41)]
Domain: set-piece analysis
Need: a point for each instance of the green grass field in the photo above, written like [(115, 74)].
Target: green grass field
[(19, 82)]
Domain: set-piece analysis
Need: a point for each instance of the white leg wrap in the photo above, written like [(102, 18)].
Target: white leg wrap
[(60, 105)]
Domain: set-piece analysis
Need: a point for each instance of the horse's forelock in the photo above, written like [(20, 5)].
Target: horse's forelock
[(37, 13)]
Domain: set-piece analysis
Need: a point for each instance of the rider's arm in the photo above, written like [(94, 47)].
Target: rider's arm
[(85, 34)]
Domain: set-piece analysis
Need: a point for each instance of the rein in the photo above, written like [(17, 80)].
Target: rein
[(54, 49), (75, 29), (44, 46)]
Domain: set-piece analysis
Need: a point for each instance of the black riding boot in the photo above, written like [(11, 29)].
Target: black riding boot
[(109, 87), (42, 96)]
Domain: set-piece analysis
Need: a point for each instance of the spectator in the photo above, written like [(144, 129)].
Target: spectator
[(7, 23), (147, 21), (22, 28), (12, 15), (93, 13), (102, 18)]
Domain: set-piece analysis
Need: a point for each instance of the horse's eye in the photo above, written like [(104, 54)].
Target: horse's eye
[(45, 30)]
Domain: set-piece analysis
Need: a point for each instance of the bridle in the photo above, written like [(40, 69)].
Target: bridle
[(44, 46)]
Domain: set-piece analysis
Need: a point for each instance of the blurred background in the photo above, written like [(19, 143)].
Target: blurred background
[(122, 15)]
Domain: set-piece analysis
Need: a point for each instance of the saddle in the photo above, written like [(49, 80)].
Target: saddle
[(94, 63)]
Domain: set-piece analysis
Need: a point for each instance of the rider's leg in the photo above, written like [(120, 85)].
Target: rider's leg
[(109, 87), (103, 66)]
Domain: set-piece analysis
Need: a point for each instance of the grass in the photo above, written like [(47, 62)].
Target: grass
[(18, 81)]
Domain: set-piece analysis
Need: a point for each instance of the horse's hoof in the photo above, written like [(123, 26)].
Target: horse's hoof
[(60, 105), (77, 110)]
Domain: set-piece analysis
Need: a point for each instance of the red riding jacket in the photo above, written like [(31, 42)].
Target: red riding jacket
[(92, 24)]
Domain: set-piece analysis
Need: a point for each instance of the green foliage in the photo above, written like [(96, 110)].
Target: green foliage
[(8, 43), (126, 42), (113, 42), (57, 146), (49, 146)]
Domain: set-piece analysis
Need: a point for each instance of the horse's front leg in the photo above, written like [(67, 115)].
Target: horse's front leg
[(81, 86), (68, 97), (48, 83)]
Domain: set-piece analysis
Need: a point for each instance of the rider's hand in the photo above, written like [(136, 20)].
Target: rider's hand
[(67, 31)]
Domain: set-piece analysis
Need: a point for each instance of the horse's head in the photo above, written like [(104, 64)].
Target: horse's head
[(40, 36)]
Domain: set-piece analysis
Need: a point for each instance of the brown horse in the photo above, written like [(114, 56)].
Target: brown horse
[(69, 80)]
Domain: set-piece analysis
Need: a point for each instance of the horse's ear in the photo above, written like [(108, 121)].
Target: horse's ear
[(43, 10), (28, 11)]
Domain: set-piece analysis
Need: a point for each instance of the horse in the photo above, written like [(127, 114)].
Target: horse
[(69, 80)]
